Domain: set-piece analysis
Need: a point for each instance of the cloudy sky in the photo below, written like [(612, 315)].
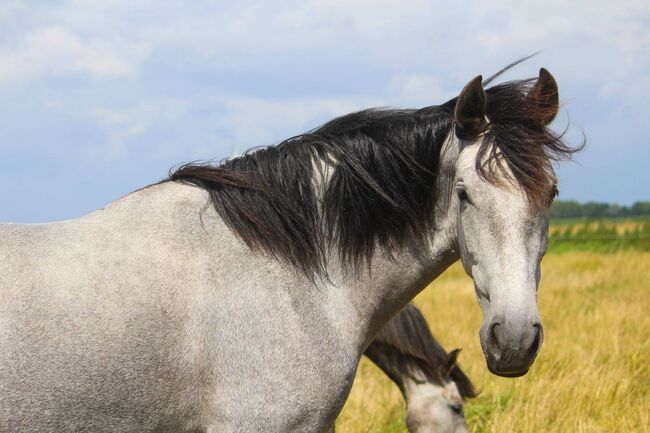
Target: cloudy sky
[(101, 97)]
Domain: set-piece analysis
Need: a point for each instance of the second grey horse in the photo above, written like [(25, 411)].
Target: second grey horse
[(433, 385)]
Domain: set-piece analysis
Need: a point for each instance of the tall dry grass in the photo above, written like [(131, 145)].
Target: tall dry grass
[(592, 375)]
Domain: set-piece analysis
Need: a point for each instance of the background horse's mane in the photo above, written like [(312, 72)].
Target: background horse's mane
[(408, 337), (382, 166)]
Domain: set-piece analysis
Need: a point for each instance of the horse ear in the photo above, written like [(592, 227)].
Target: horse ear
[(450, 363), (544, 97), (470, 110)]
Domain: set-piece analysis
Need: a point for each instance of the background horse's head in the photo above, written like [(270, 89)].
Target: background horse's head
[(431, 381), (503, 187)]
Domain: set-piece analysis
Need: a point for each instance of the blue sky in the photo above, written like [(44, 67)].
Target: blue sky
[(101, 97)]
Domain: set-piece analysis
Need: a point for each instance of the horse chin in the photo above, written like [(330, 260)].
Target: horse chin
[(508, 374)]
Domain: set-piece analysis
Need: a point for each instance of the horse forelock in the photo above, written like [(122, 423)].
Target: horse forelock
[(516, 138)]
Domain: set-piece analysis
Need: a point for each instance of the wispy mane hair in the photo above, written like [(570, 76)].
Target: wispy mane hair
[(516, 138), (407, 337), (379, 169), (382, 167)]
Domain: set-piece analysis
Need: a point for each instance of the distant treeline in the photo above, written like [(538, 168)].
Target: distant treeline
[(591, 209), (600, 235)]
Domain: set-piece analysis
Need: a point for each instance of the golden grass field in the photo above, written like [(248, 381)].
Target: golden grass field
[(592, 374)]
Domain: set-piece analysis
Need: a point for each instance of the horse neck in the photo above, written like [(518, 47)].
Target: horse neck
[(379, 291)]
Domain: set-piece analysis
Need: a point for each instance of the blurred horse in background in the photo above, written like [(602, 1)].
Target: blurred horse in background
[(433, 385)]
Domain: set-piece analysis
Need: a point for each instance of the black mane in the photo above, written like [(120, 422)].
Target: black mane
[(383, 170), (382, 166), (408, 337)]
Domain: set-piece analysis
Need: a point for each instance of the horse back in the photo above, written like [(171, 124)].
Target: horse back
[(98, 330), (151, 315)]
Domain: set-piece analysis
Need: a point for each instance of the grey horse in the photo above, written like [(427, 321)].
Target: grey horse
[(433, 385), (240, 296)]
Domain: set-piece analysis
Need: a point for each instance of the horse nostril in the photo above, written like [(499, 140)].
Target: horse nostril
[(537, 341), (493, 337)]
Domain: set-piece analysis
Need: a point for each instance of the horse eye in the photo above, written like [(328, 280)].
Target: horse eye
[(462, 194), (554, 193), (456, 408)]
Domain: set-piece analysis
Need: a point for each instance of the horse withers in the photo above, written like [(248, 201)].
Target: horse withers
[(239, 297)]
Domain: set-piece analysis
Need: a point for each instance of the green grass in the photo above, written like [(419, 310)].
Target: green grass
[(605, 235)]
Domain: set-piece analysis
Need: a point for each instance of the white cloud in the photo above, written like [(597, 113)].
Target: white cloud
[(419, 90), (243, 122), (594, 43), (599, 41), (57, 51), (133, 121), (256, 121)]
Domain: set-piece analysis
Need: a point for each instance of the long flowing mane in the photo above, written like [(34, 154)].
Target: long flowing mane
[(380, 168), (407, 337)]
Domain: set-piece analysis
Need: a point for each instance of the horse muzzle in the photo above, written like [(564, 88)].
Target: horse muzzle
[(510, 348)]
